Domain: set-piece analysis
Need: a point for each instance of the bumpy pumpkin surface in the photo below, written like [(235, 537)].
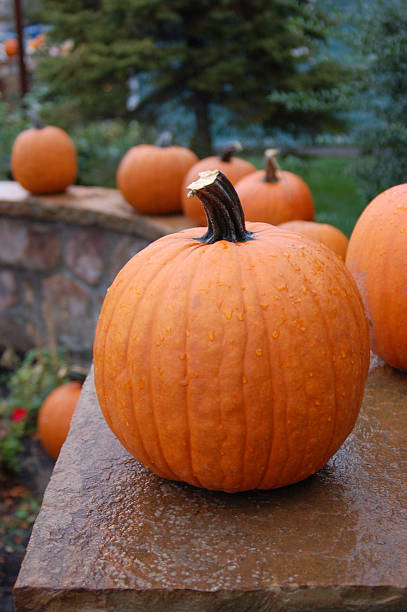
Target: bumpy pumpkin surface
[(235, 169), (140, 176), (274, 196), (44, 160), (328, 234), (55, 416), (236, 360), (377, 258)]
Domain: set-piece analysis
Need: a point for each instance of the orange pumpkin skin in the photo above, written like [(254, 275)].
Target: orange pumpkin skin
[(328, 234), (55, 416), (287, 199), (11, 47), (235, 169), (232, 366), (377, 258), (139, 172), (44, 160)]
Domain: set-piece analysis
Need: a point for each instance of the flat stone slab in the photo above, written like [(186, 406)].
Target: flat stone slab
[(95, 206), (112, 536)]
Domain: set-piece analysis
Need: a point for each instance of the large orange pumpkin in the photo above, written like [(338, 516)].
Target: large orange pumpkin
[(11, 47), (44, 160), (55, 416), (139, 172), (235, 168), (234, 360), (273, 195), (377, 258), (328, 234)]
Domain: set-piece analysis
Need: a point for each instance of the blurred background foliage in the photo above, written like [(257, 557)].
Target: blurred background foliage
[(114, 73)]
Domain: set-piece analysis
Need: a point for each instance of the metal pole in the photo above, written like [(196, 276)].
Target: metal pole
[(21, 52)]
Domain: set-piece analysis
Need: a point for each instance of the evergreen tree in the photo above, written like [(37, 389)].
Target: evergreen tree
[(254, 58), (382, 45)]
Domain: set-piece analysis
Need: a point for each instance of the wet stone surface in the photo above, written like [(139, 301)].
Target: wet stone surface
[(112, 536)]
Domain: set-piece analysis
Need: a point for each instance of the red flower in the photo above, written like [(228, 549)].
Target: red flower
[(18, 414)]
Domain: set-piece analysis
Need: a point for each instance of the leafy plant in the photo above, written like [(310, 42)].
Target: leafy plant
[(33, 378)]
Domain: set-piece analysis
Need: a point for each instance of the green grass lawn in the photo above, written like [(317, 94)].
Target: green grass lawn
[(334, 189)]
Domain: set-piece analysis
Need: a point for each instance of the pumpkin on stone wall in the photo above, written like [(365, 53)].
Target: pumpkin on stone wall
[(235, 360), (55, 415), (140, 172), (44, 160), (273, 195), (234, 167), (377, 258), (325, 233), (11, 47)]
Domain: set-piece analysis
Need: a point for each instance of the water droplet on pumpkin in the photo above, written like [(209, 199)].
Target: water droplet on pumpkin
[(211, 336), (244, 379), (317, 402), (228, 315), (276, 333), (311, 374), (187, 333), (183, 356), (183, 382), (264, 306), (259, 352), (343, 354), (240, 317), (168, 330)]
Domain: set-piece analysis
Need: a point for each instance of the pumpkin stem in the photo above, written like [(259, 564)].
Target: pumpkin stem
[(226, 154), (164, 139), (222, 207), (271, 165)]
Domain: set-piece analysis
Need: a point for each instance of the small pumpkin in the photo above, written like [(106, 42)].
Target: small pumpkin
[(55, 416), (234, 360), (377, 258), (328, 234), (273, 195), (235, 168), (139, 172), (11, 47), (44, 160)]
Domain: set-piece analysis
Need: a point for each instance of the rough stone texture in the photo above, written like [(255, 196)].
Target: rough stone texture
[(95, 206), (84, 254), (58, 255), (8, 290), (67, 312), (33, 246), (112, 536)]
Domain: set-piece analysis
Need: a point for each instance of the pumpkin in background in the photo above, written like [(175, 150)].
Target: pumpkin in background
[(235, 168), (377, 258), (273, 195), (328, 234), (44, 160), (234, 360), (11, 47), (139, 172), (55, 416)]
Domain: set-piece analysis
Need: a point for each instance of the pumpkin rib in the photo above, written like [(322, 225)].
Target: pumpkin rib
[(196, 276), (125, 289), (159, 298), (270, 370), (351, 303), (144, 450), (280, 477), (187, 390), (244, 364), (106, 336), (331, 351)]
